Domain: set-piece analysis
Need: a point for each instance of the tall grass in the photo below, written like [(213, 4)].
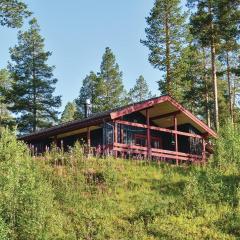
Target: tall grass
[(68, 196)]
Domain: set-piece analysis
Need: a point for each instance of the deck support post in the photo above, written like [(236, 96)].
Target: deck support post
[(88, 141), (115, 140), (203, 150), (176, 137), (148, 135), (122, 133)]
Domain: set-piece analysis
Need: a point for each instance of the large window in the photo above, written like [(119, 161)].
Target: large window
[(141, 140)]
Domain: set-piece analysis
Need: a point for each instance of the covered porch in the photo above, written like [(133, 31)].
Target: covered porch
[(166, 132), (151, 145)]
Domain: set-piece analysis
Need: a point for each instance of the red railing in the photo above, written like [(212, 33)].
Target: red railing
[(149, 152), (155, 152)]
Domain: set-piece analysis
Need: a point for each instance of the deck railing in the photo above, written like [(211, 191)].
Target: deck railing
[(156, 153), (149, 152)]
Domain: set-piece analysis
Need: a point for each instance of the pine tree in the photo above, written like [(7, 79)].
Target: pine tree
[(12, 13), (31, 95), (6, 120), (113, 94), (92, 89), (165, 35), (236, 90), (205, 29), (228, 15), (105, 89), (140, 91), (69, 112), (188, 79)]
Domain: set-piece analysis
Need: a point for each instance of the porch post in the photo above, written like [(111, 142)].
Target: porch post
[(88, 140), (148, 134), (176, 137), (203, 149), (122, 138), (115, 137)]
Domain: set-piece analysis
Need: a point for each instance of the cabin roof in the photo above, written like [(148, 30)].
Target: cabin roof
[(165, 105)]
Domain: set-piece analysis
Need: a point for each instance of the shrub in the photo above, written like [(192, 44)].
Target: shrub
[(227, 149), (4, 230), (26, 199)]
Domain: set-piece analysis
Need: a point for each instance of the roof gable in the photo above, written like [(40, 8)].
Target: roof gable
[(151, 102)]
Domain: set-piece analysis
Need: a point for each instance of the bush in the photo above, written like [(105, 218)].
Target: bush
[(227, 149), (68, 196), (4, 230), (26, 199)]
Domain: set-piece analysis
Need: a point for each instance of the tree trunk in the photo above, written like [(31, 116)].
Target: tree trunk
[(34, 107), (34, 93), (167, 36), (34, 111), (1, 114), (214, 80), (207, 100), (208, 113), (234, 98), (229, 87), (214, 74)]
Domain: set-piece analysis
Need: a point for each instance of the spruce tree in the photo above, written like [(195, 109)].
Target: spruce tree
[(140, 91), (69, 112), (31, 95), (12, 13), (164, 37), (113, 94)]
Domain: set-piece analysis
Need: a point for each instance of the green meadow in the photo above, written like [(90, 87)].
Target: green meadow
[(68, 196)]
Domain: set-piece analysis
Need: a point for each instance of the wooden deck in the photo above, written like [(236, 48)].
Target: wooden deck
[(164, 155), (147, 151)]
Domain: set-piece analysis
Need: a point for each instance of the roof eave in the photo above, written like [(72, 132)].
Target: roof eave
[(151, 102), (63, 129)]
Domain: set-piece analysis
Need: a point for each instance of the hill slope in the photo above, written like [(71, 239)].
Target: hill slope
[(119, 199), (67, 196)]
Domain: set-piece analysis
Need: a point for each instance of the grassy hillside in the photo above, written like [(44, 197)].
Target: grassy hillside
[(117, 199), (66, 196)]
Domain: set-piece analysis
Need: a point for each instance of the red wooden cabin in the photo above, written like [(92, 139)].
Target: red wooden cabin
[(158, 128)]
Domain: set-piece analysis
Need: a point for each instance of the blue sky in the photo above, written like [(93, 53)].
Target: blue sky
[(77, 32)]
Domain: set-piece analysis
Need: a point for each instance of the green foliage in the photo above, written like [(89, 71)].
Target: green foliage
[(27, 208), (105, 90), (140, 91), (92, 89), (191, 82), (203, 23), (5, 117), (228, 147), (69, 112), (68, 196), (214, 25), (3, 230), (227, 15), (31, 94), (164, 38), (197, 55), (12, 13), (113, 89), (120, 199)]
